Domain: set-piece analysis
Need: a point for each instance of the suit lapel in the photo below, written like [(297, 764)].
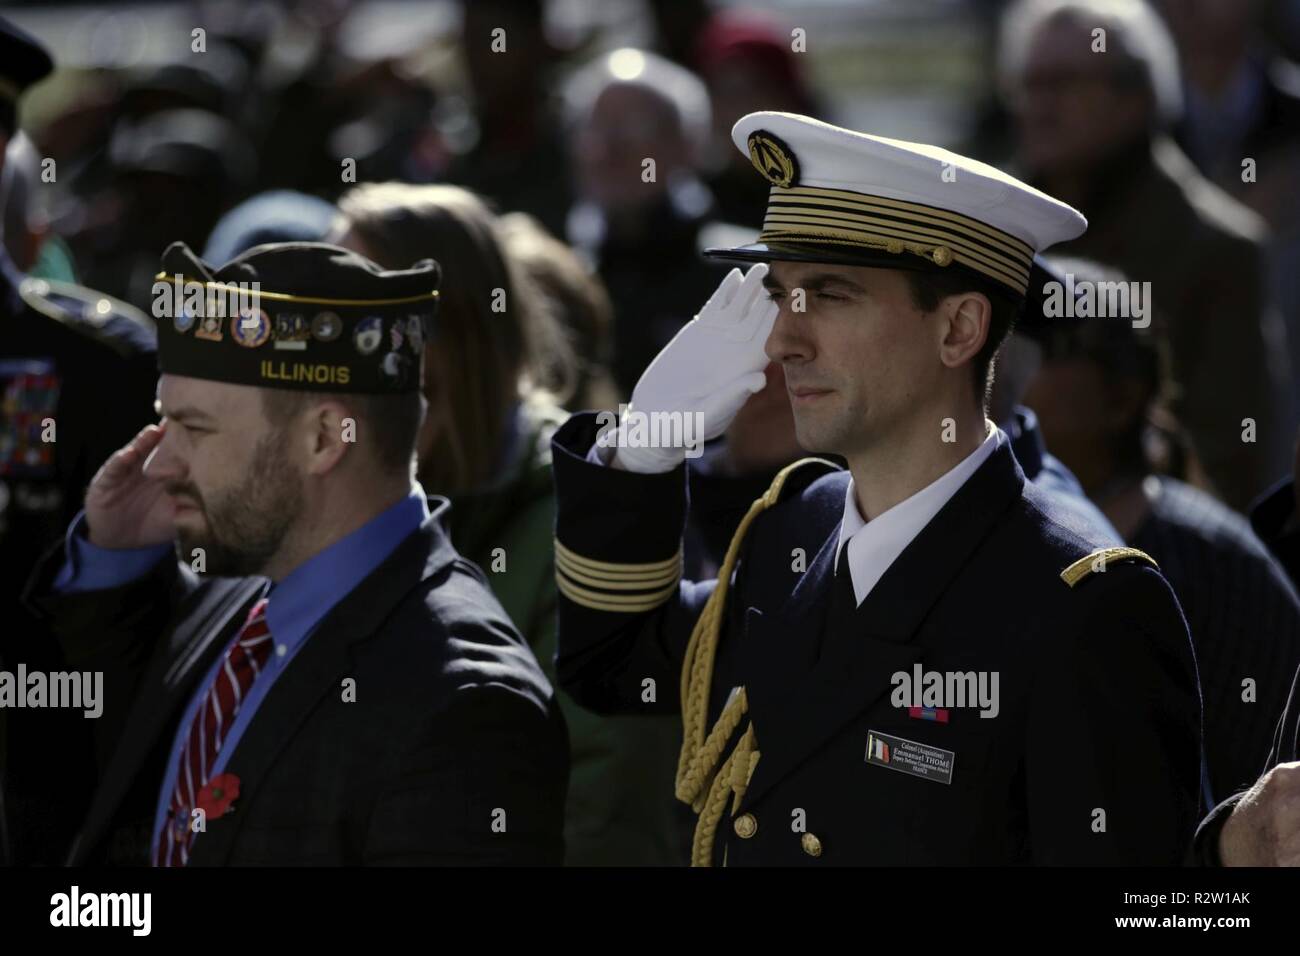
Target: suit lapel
[(165, 687), (794, 712), (781, 646), (792, 718), (317, 669)]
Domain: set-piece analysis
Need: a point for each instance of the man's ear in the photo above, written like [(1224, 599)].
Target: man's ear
[(329, 432), (966, 327)]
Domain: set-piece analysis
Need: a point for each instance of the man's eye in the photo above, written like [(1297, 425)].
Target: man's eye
[(830, 297), (775, 296)]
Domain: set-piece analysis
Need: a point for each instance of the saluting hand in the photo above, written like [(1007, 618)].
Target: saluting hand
[(125, 508), (1264, 828), (709, 369)]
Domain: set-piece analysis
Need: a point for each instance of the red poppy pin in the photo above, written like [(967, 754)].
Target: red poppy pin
[(217, 795)]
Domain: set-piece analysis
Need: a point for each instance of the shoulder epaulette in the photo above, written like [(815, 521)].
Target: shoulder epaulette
[(795, 477), (1097, 561)]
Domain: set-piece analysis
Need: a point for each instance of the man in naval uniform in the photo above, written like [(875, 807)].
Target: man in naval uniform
[(853, 689)]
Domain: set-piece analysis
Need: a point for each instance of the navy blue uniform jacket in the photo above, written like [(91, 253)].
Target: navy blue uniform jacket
[(1093, 757)]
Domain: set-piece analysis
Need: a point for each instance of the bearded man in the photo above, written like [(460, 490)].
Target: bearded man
[(315, 676)]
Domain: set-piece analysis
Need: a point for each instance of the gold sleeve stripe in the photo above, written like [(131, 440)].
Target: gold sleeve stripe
[(1097, 561), (609, 583), (628, 581), (614, 568), (598, 601)]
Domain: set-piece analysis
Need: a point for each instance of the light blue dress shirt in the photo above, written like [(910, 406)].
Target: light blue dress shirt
[(296, 606)]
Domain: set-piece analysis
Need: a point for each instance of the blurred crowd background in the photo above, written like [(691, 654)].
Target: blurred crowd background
[(395, 128)]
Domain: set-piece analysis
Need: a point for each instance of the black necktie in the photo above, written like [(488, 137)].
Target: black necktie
[(844, 602), (844, 593)]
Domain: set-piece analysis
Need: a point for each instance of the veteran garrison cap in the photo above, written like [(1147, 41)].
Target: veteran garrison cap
[(23, 61), (844, 197), (297, 315)]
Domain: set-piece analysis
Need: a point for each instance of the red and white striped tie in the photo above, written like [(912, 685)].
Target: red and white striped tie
[(216, 714)]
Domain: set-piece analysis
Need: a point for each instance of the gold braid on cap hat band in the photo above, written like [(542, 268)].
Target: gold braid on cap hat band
[(814, 214), (286, 297)]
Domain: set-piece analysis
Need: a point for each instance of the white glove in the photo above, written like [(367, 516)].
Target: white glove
[(705, 374)]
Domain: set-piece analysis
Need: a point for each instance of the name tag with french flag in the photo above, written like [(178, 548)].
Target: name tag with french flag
[(910, 757)]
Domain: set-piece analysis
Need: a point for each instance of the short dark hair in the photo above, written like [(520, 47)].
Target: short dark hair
[(930, 288), (389, 423)]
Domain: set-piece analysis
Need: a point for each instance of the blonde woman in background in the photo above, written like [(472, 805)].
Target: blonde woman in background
[(497, 369)]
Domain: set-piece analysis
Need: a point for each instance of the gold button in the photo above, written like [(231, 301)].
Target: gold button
[(811, 845), (746, 826)]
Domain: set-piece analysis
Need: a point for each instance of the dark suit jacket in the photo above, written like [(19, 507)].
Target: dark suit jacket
[(1271, 518), (452, 753), (1285, 749), (1099, 707)]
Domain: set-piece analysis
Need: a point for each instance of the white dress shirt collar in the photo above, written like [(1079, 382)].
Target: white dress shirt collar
[(874, 545)]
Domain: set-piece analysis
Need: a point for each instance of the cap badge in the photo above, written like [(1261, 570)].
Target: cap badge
[(209, 327), (369, 335), (773, 158), (415, 332), (184, 320), (291, 331), (250, 328), (326, 326)]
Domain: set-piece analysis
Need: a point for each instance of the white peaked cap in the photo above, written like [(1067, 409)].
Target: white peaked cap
[(848, 197)]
